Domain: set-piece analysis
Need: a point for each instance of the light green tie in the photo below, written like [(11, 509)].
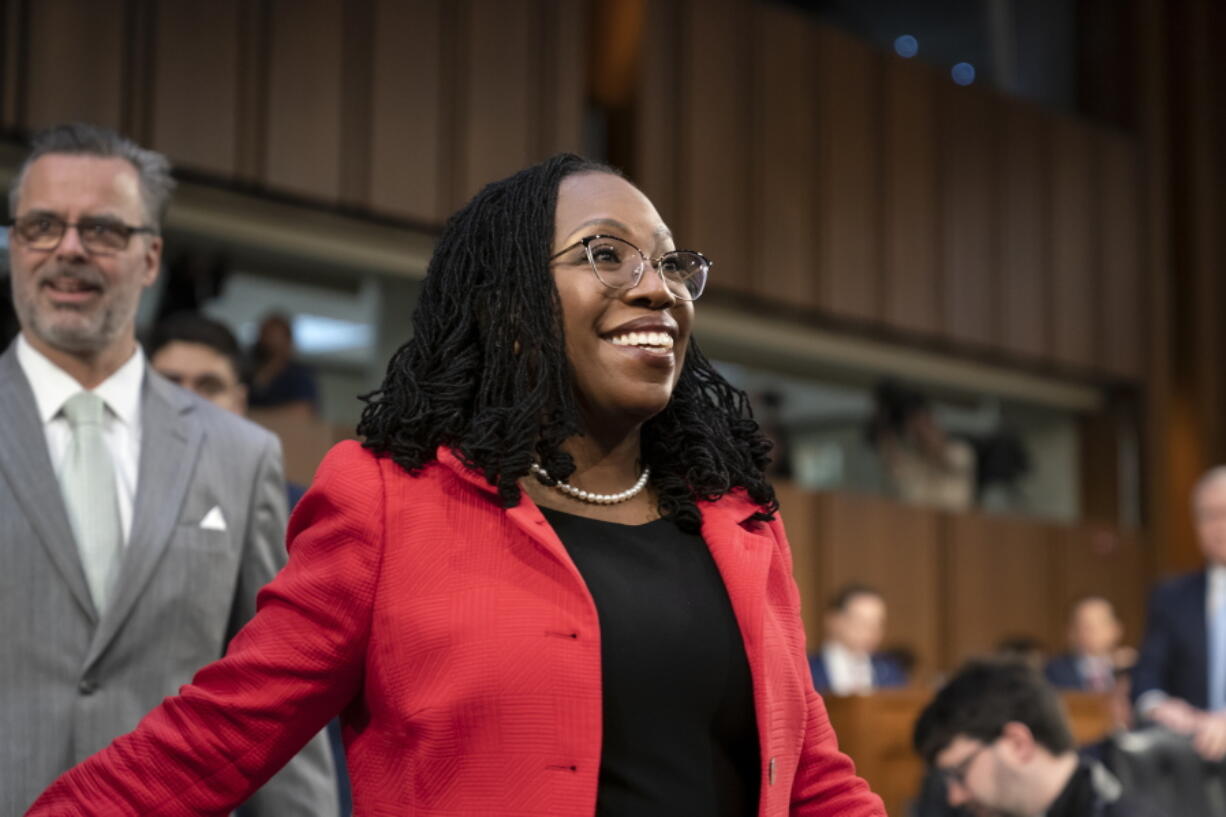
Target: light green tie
[(88, 482)]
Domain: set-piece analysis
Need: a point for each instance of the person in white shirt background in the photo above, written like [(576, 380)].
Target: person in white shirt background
[(848, 662)]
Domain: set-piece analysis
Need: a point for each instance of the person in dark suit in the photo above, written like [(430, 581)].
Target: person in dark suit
[(1180, 677), (137, 522), (996, 735), (848, 662), (1094, 638)]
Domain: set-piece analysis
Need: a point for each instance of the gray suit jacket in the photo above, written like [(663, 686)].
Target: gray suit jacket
[(71, 680)]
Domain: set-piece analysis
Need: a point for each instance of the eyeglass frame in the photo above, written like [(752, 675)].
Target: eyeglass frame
[(958, 772), (128, 230), (585, 242)]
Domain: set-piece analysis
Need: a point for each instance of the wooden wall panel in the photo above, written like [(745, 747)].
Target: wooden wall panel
[(911, 237), (1074, 237), (76, 58), (1120, 256), (714, 132), (12, 61), (656, 165), (409, 154), (303, 144), (848, 175), (562, 87), (1024, 256), (1096, 560), (195, 84), (499, 46), (784, 205), (967, 120), (892, 547), (1000, 583)]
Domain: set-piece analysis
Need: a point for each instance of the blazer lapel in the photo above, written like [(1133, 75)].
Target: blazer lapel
[(171, 435), (26, 463), (743, 558)]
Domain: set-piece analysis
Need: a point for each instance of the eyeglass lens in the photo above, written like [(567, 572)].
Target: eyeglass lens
[(44, 232), (619, 264)]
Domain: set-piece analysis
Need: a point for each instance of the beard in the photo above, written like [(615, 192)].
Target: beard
[(76, 329)]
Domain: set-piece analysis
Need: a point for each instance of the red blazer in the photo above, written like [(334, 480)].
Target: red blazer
[(462, 649)]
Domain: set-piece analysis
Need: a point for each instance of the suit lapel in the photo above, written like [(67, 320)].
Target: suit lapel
[(743, 558), (26, 464), (171, 435)]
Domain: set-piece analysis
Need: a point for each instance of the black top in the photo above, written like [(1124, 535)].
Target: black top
[(680, 734)]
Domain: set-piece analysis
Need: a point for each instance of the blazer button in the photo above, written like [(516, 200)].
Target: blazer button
[(88, 686), (770, 774)]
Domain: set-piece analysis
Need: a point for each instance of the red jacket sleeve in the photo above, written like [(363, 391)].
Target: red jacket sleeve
[(825, 784), (286, 673)]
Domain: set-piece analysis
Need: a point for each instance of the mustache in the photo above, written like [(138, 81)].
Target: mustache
[(81, 275)]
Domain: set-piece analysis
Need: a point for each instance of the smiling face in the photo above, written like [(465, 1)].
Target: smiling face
[(67, 299), (625, 347)]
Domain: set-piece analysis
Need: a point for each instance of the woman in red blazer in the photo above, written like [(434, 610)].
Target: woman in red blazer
[(552, 580)]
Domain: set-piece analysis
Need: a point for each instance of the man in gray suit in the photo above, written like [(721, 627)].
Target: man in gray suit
[(137, 521)]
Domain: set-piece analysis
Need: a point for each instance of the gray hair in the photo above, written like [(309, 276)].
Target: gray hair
[(82, 139)]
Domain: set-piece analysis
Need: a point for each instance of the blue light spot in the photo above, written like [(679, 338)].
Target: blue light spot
[(906, 46), (963, 73)]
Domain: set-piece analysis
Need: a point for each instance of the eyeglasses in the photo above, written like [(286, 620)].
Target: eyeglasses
[(618, 264), (99, 236), (957, 774)]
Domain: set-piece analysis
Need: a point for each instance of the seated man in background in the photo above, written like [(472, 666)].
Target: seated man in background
[(848, 663), (996, 734), (1180, 677), (1094, 639)]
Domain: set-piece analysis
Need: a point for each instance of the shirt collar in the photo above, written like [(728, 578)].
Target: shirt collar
[(1217, 576), (52, 385)]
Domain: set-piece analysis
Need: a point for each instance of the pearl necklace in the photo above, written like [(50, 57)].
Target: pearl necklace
[(589, 496)]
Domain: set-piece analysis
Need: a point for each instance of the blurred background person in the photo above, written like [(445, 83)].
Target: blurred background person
[(996, 734), (278, 380), (925, 465), (848, 662), (1094, 654), (201, 355), (1180, 677)]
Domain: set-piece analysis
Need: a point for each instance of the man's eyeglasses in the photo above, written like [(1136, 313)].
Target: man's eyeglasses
[(618, 264), (99, 236), (957, 774)]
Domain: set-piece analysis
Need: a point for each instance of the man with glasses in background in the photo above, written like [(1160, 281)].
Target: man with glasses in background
[(996, 735), (137, 522)]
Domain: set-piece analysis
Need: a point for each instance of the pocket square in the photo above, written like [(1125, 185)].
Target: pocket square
[(213, 520)]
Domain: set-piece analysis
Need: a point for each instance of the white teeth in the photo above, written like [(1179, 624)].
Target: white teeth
[(652, 340)]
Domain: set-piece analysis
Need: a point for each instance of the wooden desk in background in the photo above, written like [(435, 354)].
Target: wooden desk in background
[(875, 730)]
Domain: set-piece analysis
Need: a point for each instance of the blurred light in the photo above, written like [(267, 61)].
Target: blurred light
[(906, 46), (963, 73), (318, 335)]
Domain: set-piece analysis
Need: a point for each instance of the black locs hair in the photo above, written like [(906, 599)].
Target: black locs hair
[(485, 372)]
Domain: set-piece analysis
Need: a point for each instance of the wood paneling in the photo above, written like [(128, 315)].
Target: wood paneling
[(75, 69), (407, 137), (784, 206), (912, 275), (1120, 255), (1000, 583), (562, 83), (968, 212), (1024, 257), (1073, 235), (657, 103), (1098, 560), (12, 61), (196, 61), (714, 130), (848, 174), (303, 145), (892, 547), (498, 52)]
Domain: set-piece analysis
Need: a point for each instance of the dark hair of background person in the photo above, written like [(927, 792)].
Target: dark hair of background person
[(82, 139), (486, 372), (192, 327), (844, 595), (984, 696), (894, 405)]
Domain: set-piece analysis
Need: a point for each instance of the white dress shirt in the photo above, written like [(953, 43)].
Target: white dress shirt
[(120, 392), (850, 674)]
